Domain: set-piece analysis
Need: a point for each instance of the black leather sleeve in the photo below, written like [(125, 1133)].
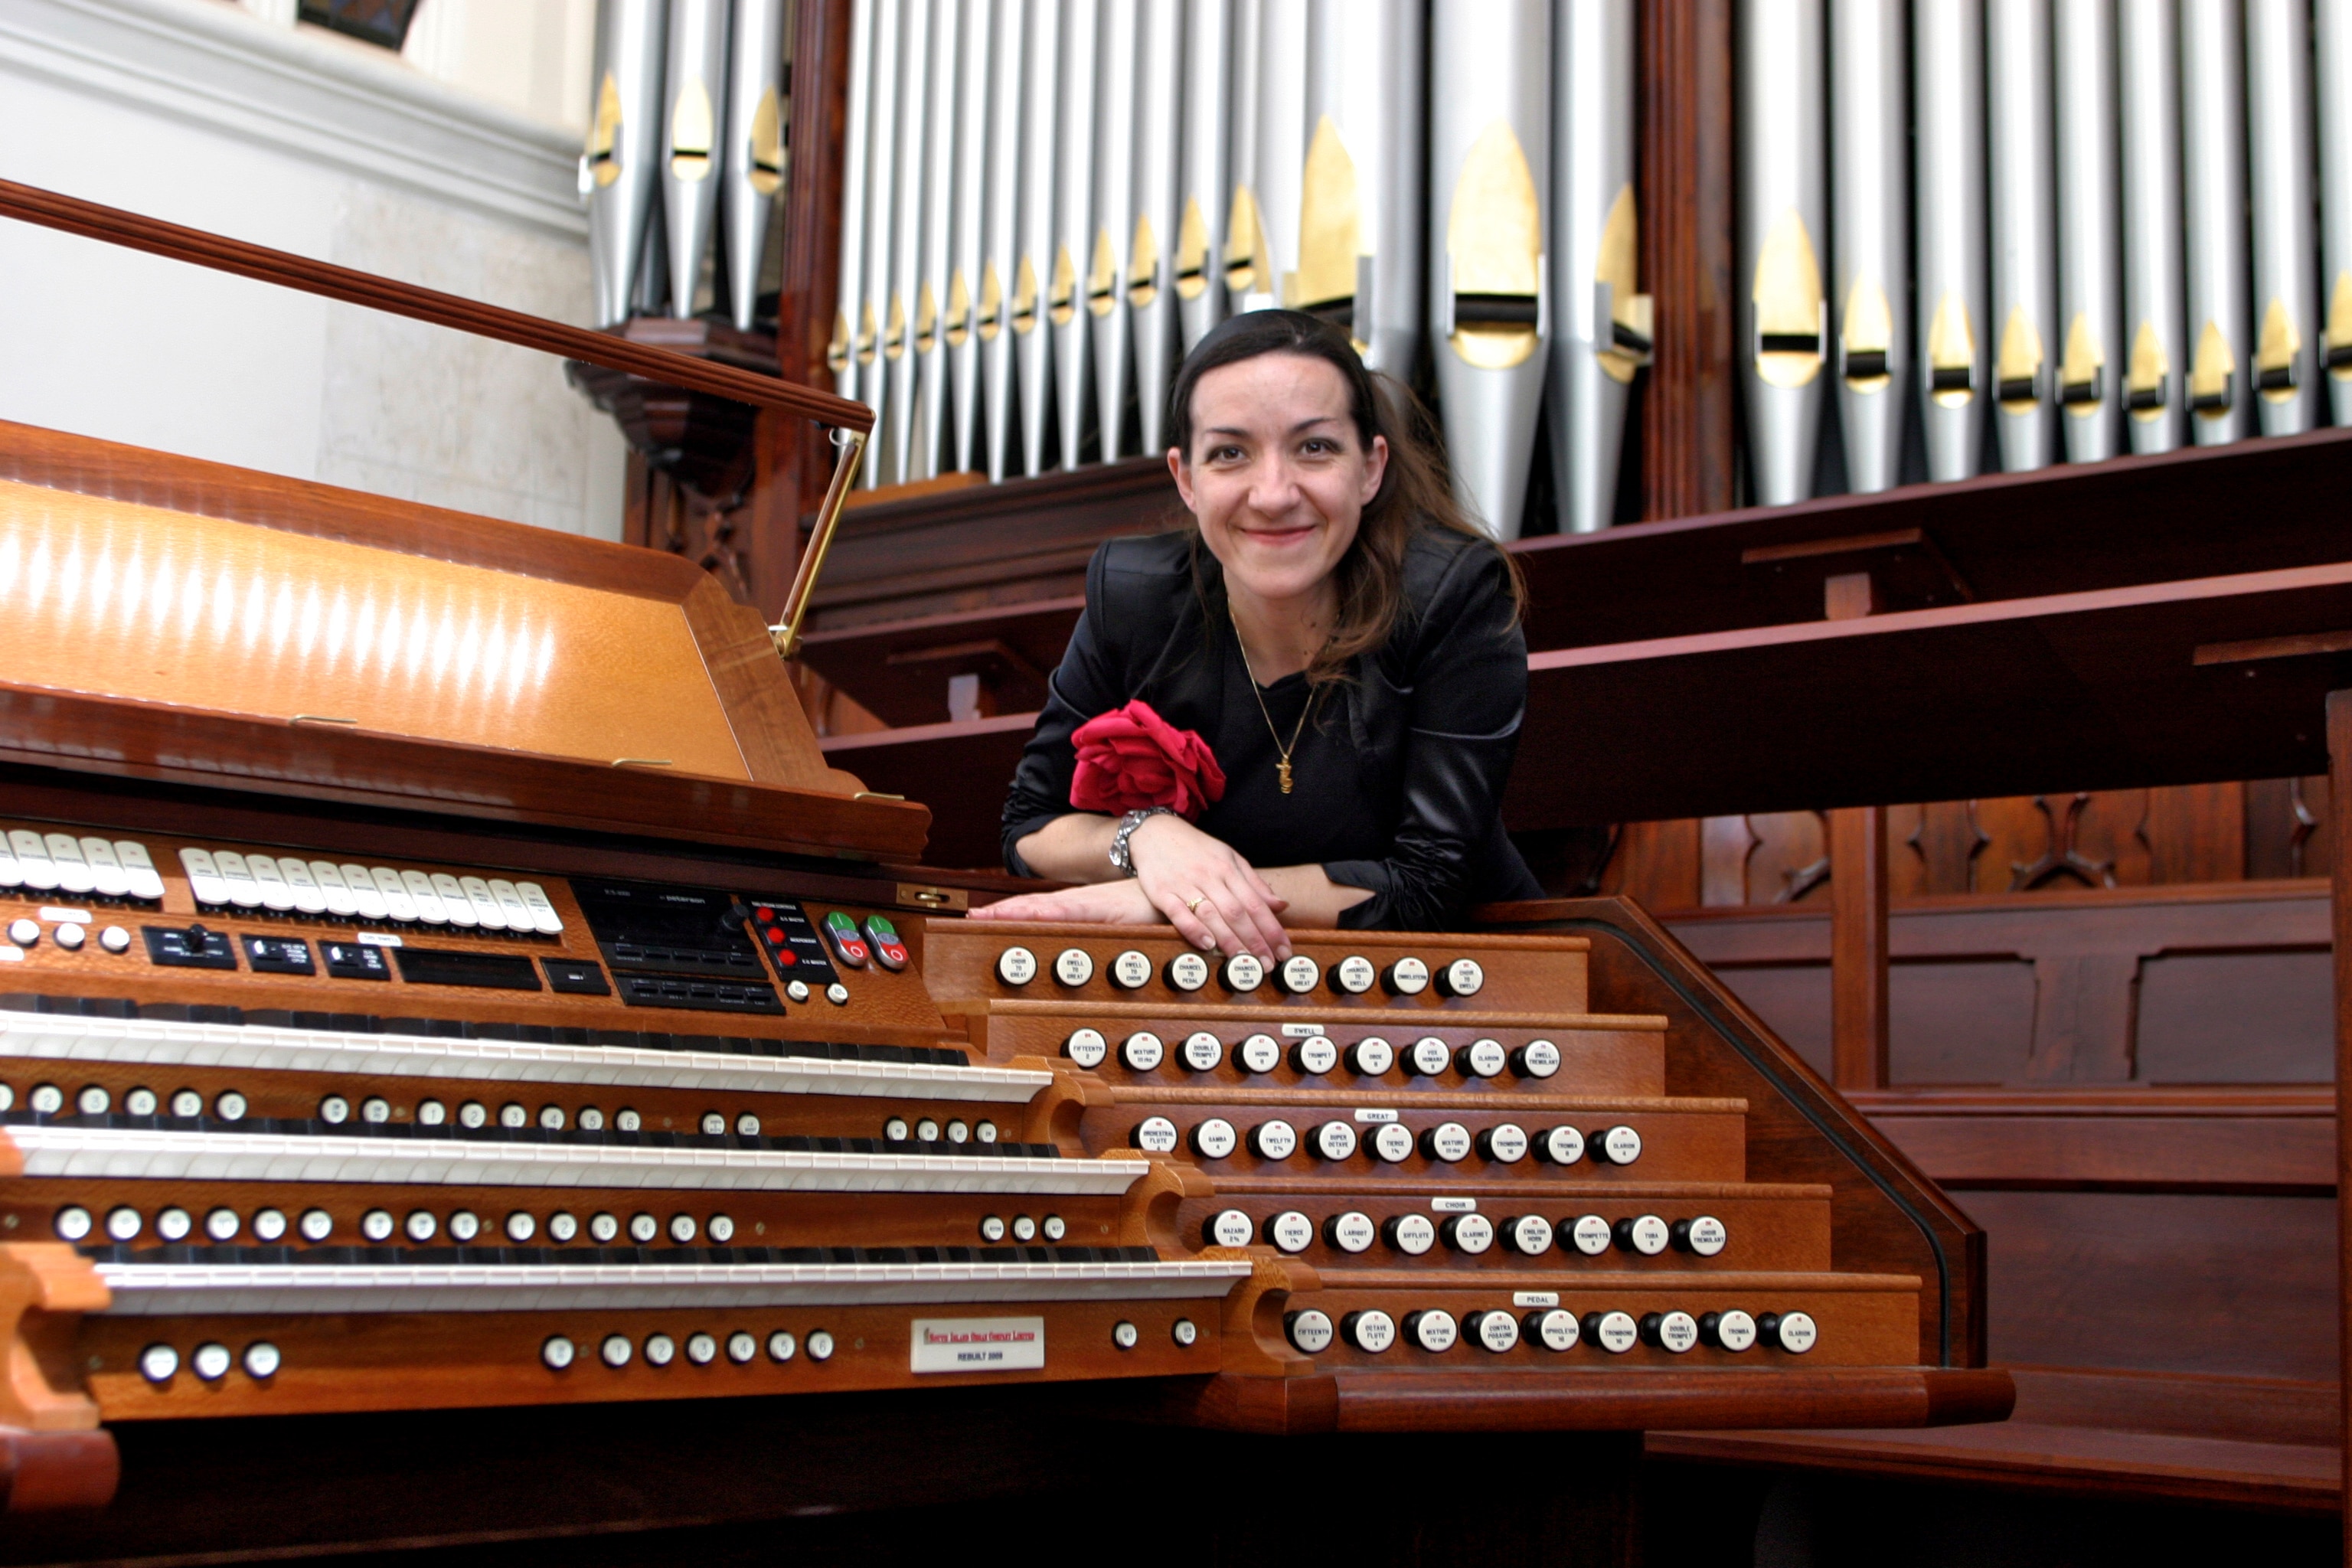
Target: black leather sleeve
[(1457, 679), (1091, 679)]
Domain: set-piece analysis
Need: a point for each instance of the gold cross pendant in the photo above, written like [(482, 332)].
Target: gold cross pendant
[(1283, 767)]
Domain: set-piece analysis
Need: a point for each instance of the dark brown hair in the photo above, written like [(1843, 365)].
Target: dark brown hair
[(1415, 493)]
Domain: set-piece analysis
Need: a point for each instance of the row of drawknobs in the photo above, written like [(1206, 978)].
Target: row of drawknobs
[(1554, 1329)]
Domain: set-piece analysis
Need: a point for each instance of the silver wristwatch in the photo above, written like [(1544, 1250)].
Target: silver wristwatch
[(1121, 860)]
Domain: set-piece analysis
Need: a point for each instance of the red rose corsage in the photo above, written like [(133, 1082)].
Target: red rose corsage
[(1131, 758)]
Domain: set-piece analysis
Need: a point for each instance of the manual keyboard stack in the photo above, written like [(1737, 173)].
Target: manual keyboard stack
[(470, 1173), (1448, 1163)]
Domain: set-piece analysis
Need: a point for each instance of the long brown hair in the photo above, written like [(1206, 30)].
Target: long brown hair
[(1415, 493)]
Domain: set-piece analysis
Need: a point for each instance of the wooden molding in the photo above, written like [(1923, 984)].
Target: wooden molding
[(45, 1287)]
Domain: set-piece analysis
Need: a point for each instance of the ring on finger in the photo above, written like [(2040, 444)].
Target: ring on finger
[(1192, 905)]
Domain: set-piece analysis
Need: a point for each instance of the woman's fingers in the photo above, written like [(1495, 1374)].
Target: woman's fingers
[(1188, 925), (1258, 925)]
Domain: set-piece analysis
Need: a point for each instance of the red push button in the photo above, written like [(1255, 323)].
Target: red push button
[(846, 939), (887, 948)]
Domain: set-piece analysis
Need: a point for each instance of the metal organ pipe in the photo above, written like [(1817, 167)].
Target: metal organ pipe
[(619, 170), (1074, 228), (2154, 362), (974, 107), (1199, 256), (1113, 248), (1871, 276), (2285, 283), (755, 146), (1948, 205), (928, 349), (1783, 221), (2213, 162), (2090, 288), (692, 133), (2334, 55), (1281, 154), (1362, 202), (1001, 261), (2024, 231), (1247, 270), (1033, 342), (1602, 323), (1489, 173), (910, 328), (880, 347), (1151, 298)]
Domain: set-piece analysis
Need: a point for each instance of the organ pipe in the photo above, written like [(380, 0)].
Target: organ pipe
[(1280, 158), (1001, 264), (1114, 238), (2153, 369), (1947, 209), (1247, 269), (1074, 228), (755, 146), (620, 169), (2024, 231), (1602, 323), (2334, 56), (1489, 169), (1206, 198), (1361, 201), (1151, 298), (2285, 283), (878, 349), (909, 328), (1783, 221), (1870, 244), (942, 121), (2090, 287), (692, 142), (1033, 340), (2213, 183), (974, 108)]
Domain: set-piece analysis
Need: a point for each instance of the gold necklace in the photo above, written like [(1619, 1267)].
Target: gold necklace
[(1282, 767)]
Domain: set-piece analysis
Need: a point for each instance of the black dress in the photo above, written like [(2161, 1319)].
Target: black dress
[(1398, 771)]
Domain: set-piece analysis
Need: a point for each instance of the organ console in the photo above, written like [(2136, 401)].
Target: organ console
[(441, 973)]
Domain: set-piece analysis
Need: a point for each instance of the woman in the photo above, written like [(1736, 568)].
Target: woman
[(1342, 639)]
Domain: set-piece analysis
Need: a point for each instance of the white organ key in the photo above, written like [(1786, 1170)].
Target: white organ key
[(308, 896), (542, 910), (150, 1290), (142, 1041), (11, 874), (424, 899), (136, 1153), (205, 880), (74, 874), (483, 903), (237, 878), (340, 899), (33, 858), (139, 866), (511, 904), (275, 892), (107, 877), (456, 907), (398, 902)]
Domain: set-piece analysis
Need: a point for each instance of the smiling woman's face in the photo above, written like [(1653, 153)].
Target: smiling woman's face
[(1278, 475)]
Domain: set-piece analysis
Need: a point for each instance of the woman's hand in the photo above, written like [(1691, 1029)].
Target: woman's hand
[(1110, 903), (1212, 896)]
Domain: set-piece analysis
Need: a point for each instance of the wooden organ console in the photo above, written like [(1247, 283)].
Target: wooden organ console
[(444, 992)]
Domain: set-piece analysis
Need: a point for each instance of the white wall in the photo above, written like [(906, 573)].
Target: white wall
[(202, 113)]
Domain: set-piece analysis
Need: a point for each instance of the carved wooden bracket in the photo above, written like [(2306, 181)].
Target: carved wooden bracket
[(45, 1287)]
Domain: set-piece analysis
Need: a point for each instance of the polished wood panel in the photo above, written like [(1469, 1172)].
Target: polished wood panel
[(386, 643)]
